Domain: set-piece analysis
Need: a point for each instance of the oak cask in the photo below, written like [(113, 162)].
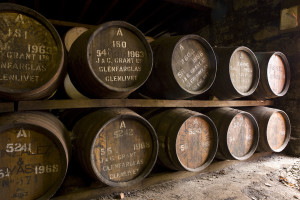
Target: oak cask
[(110, 61), (185, 66), (238, 73), (34, 153), (275, 75), (70, 36), (238, 133), (32, 54), (115, 146), (274, 127), (188, 140)]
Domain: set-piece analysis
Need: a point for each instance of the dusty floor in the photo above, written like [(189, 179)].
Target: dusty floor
[(271, 177)]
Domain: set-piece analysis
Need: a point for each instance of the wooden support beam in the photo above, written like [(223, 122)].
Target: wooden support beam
[(70, 24), (197, 4), (143, 103)]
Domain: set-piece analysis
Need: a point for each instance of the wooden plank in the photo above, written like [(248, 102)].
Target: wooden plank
[(70, 24), (146, 103), (90, 193), (7, 107), (194, 3)]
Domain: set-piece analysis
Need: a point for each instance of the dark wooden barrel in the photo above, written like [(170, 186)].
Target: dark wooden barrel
[(238, 133), (274, 127), (275, 75), (31, 54), (188, 140), (116, 146), (238, 73), (110, 61), (34, 154), (184, 66), (70, 36)]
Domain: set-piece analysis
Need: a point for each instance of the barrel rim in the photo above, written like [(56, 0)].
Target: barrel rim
[(213, 149), (288, 130), (147, 169), (71, 31), (211, 55), (255, 138), (255, 63), (287, 73), (65, 159), (36, 92), (139, 35)]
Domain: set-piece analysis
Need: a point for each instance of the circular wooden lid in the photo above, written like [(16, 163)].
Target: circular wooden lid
[(120, 56), (192, 65), (31, 53), (276, 74), (195, 142), (122, 152), (241, 71), (32, 165), (240, 135), (276, 131)]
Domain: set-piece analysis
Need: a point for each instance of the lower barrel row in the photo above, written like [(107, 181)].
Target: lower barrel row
[(120, 147)]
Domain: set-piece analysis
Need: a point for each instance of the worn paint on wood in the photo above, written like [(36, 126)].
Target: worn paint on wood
[(241, 71), (276, 74), (194, 142), (276, 131), (33, 156), (31, 54), (240, 135)]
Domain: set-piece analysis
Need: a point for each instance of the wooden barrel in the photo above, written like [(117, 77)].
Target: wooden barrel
[(275, 75), (69, 39), (274, 127), (238, 73), (110, 61), (34, 154), (238, 133), (185, 66), (31, 54), (188, 140), (116, 146)]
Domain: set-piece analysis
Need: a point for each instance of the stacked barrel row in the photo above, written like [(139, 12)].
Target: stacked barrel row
[(119, 147)]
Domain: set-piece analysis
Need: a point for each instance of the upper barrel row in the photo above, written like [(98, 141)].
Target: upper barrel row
[(114, 59)]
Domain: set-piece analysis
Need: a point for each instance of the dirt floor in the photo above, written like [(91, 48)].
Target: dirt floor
[(272, 176)]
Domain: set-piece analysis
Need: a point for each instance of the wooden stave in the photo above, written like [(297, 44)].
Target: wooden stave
[(223, 87), (171, 89), (48, 124), (167, 124), (264, 91), (79, 55), (263, 114), (222, 117), (83, 140), (50, 87)]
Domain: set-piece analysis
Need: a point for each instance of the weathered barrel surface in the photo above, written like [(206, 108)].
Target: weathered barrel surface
[(274, 126), (110, 61), (69, 39), (238, 73), (185, 66), (238, 133), (116, 146), (34, 154), (275, 75), (188, 140), (31, 54)]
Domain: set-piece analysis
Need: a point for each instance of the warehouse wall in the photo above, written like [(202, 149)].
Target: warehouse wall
[(256, 24)]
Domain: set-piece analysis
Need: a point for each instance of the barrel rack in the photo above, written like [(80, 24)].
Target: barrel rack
[(133, 103)]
